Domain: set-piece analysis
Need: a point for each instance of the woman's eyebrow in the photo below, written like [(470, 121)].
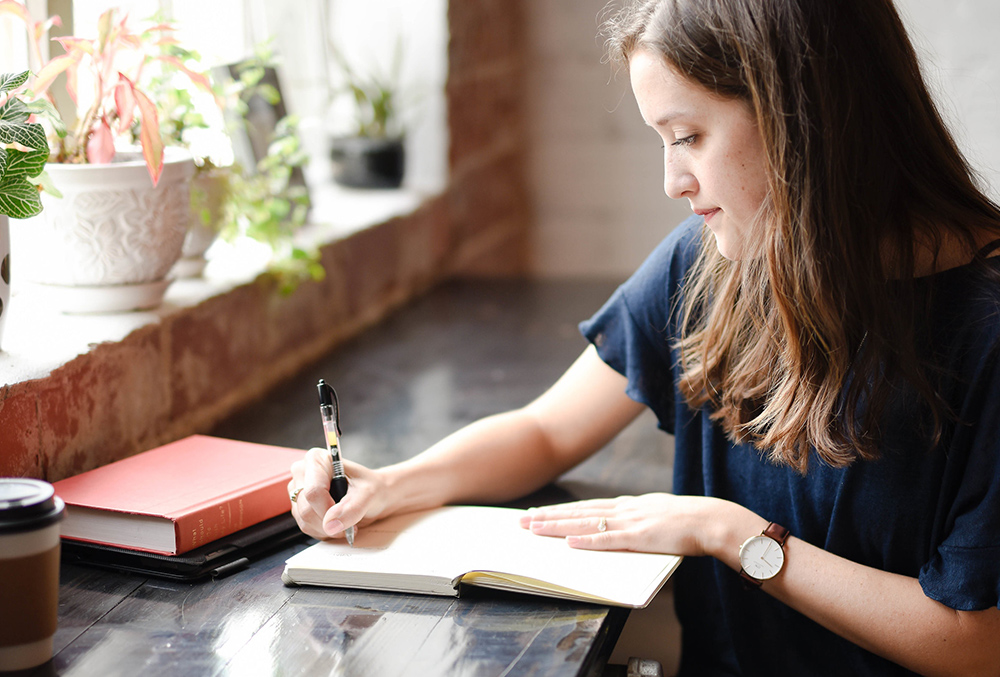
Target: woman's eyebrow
[(668, 117)]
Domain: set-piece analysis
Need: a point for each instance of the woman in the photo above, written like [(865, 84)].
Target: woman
[(821, 338)]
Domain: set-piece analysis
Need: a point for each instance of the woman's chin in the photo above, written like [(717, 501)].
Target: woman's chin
[(728, 247)]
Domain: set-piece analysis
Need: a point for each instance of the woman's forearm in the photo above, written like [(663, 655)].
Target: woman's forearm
[(885, 613), (509, 455), (495, 459)]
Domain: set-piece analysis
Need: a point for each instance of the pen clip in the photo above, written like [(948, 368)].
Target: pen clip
[(328, 398)]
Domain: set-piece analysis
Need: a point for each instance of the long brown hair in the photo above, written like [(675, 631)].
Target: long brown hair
[(804, 342)]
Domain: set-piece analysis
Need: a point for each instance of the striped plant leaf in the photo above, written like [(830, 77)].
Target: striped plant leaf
[(14, 111), (9, 81), (18, 198), (24, 151), (24, 163), (30, 135)]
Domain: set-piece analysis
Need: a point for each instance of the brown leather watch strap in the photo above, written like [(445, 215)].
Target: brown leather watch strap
[(777, 532)]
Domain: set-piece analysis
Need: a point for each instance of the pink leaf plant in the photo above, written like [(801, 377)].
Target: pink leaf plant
[(110, 68)]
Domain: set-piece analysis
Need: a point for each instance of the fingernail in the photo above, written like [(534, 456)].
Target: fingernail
[(333, 527)]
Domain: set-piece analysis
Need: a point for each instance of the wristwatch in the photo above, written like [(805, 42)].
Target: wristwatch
[(762, 556)]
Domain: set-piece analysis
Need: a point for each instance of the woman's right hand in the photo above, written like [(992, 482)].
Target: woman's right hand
[(315, 510)]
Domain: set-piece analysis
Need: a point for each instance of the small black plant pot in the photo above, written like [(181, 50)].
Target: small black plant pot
[(363, 162)]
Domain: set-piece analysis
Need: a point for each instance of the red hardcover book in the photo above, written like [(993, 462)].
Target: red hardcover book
[(180, 496)]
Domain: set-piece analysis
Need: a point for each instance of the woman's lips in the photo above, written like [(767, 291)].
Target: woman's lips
[(707, 214)]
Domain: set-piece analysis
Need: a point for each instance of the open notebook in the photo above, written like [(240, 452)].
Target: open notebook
[(437, 551)]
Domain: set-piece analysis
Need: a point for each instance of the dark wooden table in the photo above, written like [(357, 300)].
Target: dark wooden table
[(465, 351)]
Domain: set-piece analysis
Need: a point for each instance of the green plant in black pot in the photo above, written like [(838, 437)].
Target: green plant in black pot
[(374, 156)]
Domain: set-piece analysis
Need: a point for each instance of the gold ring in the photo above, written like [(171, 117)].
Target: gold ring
[(295, 494), (602, 524)]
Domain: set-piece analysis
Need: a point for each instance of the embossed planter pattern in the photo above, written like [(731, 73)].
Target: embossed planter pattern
[(109, 242)]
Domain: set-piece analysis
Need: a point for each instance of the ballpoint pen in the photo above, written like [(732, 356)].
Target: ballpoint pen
[(329, 409)]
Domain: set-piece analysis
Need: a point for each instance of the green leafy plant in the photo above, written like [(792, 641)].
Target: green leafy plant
[(262, 202), (267, 207), (23, 151)]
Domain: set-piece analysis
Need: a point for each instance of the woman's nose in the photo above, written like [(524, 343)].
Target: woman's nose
[(678, 181)]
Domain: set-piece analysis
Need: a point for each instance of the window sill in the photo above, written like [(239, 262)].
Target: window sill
[(39, 340), (81, 391)]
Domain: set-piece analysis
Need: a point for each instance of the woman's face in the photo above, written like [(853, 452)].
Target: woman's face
[(712, 150)]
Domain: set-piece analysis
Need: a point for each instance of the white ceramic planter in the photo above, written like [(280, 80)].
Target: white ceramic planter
[(212, 188), (4, 273), (192, 263), (109, 242)]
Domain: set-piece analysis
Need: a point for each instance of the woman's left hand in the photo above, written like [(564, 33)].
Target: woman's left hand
[(679, 525)]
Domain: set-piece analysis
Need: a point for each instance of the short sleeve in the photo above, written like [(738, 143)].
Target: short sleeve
[(964, 572), (633, 332)]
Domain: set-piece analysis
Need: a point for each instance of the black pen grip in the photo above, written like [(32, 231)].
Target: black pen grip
[(338, 488)]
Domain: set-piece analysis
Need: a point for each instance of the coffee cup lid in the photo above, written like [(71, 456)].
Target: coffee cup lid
[(27, 504)]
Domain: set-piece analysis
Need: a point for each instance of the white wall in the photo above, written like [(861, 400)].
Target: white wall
[(595, 170), (13, 45), (961, 58)]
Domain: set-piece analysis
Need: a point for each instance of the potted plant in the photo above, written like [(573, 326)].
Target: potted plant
[(266, 206), (109, 242), (267, 201), (23, 152), (374, 155)]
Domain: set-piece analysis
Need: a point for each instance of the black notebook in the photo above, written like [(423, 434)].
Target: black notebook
[(218, 558)]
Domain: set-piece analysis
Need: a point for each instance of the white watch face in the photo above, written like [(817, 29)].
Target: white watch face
[(761, 557)]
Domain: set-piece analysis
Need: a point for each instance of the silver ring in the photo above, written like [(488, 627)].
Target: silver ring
[(602, 524), (295, 494)]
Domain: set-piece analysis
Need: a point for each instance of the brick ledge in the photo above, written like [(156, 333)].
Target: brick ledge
[(197, 359)]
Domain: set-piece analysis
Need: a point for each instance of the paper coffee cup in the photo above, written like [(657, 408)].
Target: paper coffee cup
[(29, 571)]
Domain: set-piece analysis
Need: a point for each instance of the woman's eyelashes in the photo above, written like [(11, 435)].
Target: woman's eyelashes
[(686, 141)]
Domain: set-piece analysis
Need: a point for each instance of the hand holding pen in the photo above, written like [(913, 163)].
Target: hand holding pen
[(329, 409)]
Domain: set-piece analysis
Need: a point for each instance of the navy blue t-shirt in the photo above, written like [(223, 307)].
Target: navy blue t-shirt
[(927, 513)]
